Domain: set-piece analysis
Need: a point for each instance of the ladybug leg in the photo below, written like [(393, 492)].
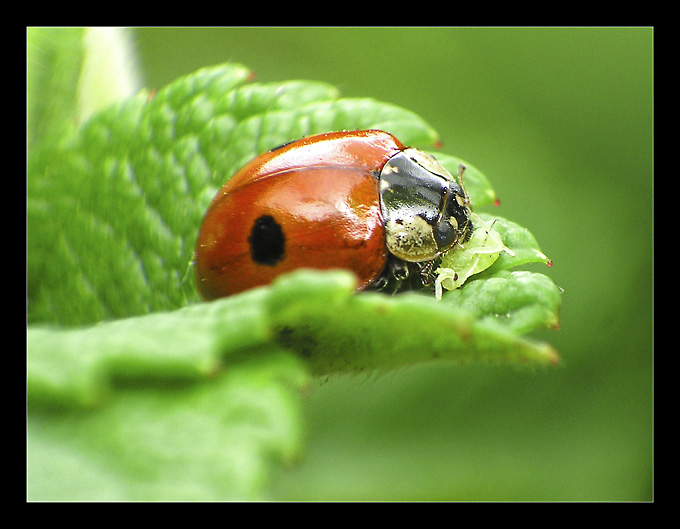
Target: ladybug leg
[(396, 270), (427, 275), (400, 275), (381, 282)]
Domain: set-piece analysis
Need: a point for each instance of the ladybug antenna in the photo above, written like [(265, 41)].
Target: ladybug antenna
[(461, 170)]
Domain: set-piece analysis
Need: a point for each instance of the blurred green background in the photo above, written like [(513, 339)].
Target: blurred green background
[(561, 122)]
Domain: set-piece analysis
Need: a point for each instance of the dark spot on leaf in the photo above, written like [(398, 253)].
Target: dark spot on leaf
[(298, 340)]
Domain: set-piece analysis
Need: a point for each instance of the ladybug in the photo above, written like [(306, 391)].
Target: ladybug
[(357, 200)]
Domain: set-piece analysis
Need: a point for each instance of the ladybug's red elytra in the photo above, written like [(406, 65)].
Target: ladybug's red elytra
[(356, 200)]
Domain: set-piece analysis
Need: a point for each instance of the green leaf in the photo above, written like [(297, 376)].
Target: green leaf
[(214, 440), (195, 404), (520, 301), (109, 70), (317, 315), (53, 62), (208, 392), (77, 367), (71, 73)]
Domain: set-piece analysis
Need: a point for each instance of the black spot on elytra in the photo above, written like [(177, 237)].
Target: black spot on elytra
[(267, 242)]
